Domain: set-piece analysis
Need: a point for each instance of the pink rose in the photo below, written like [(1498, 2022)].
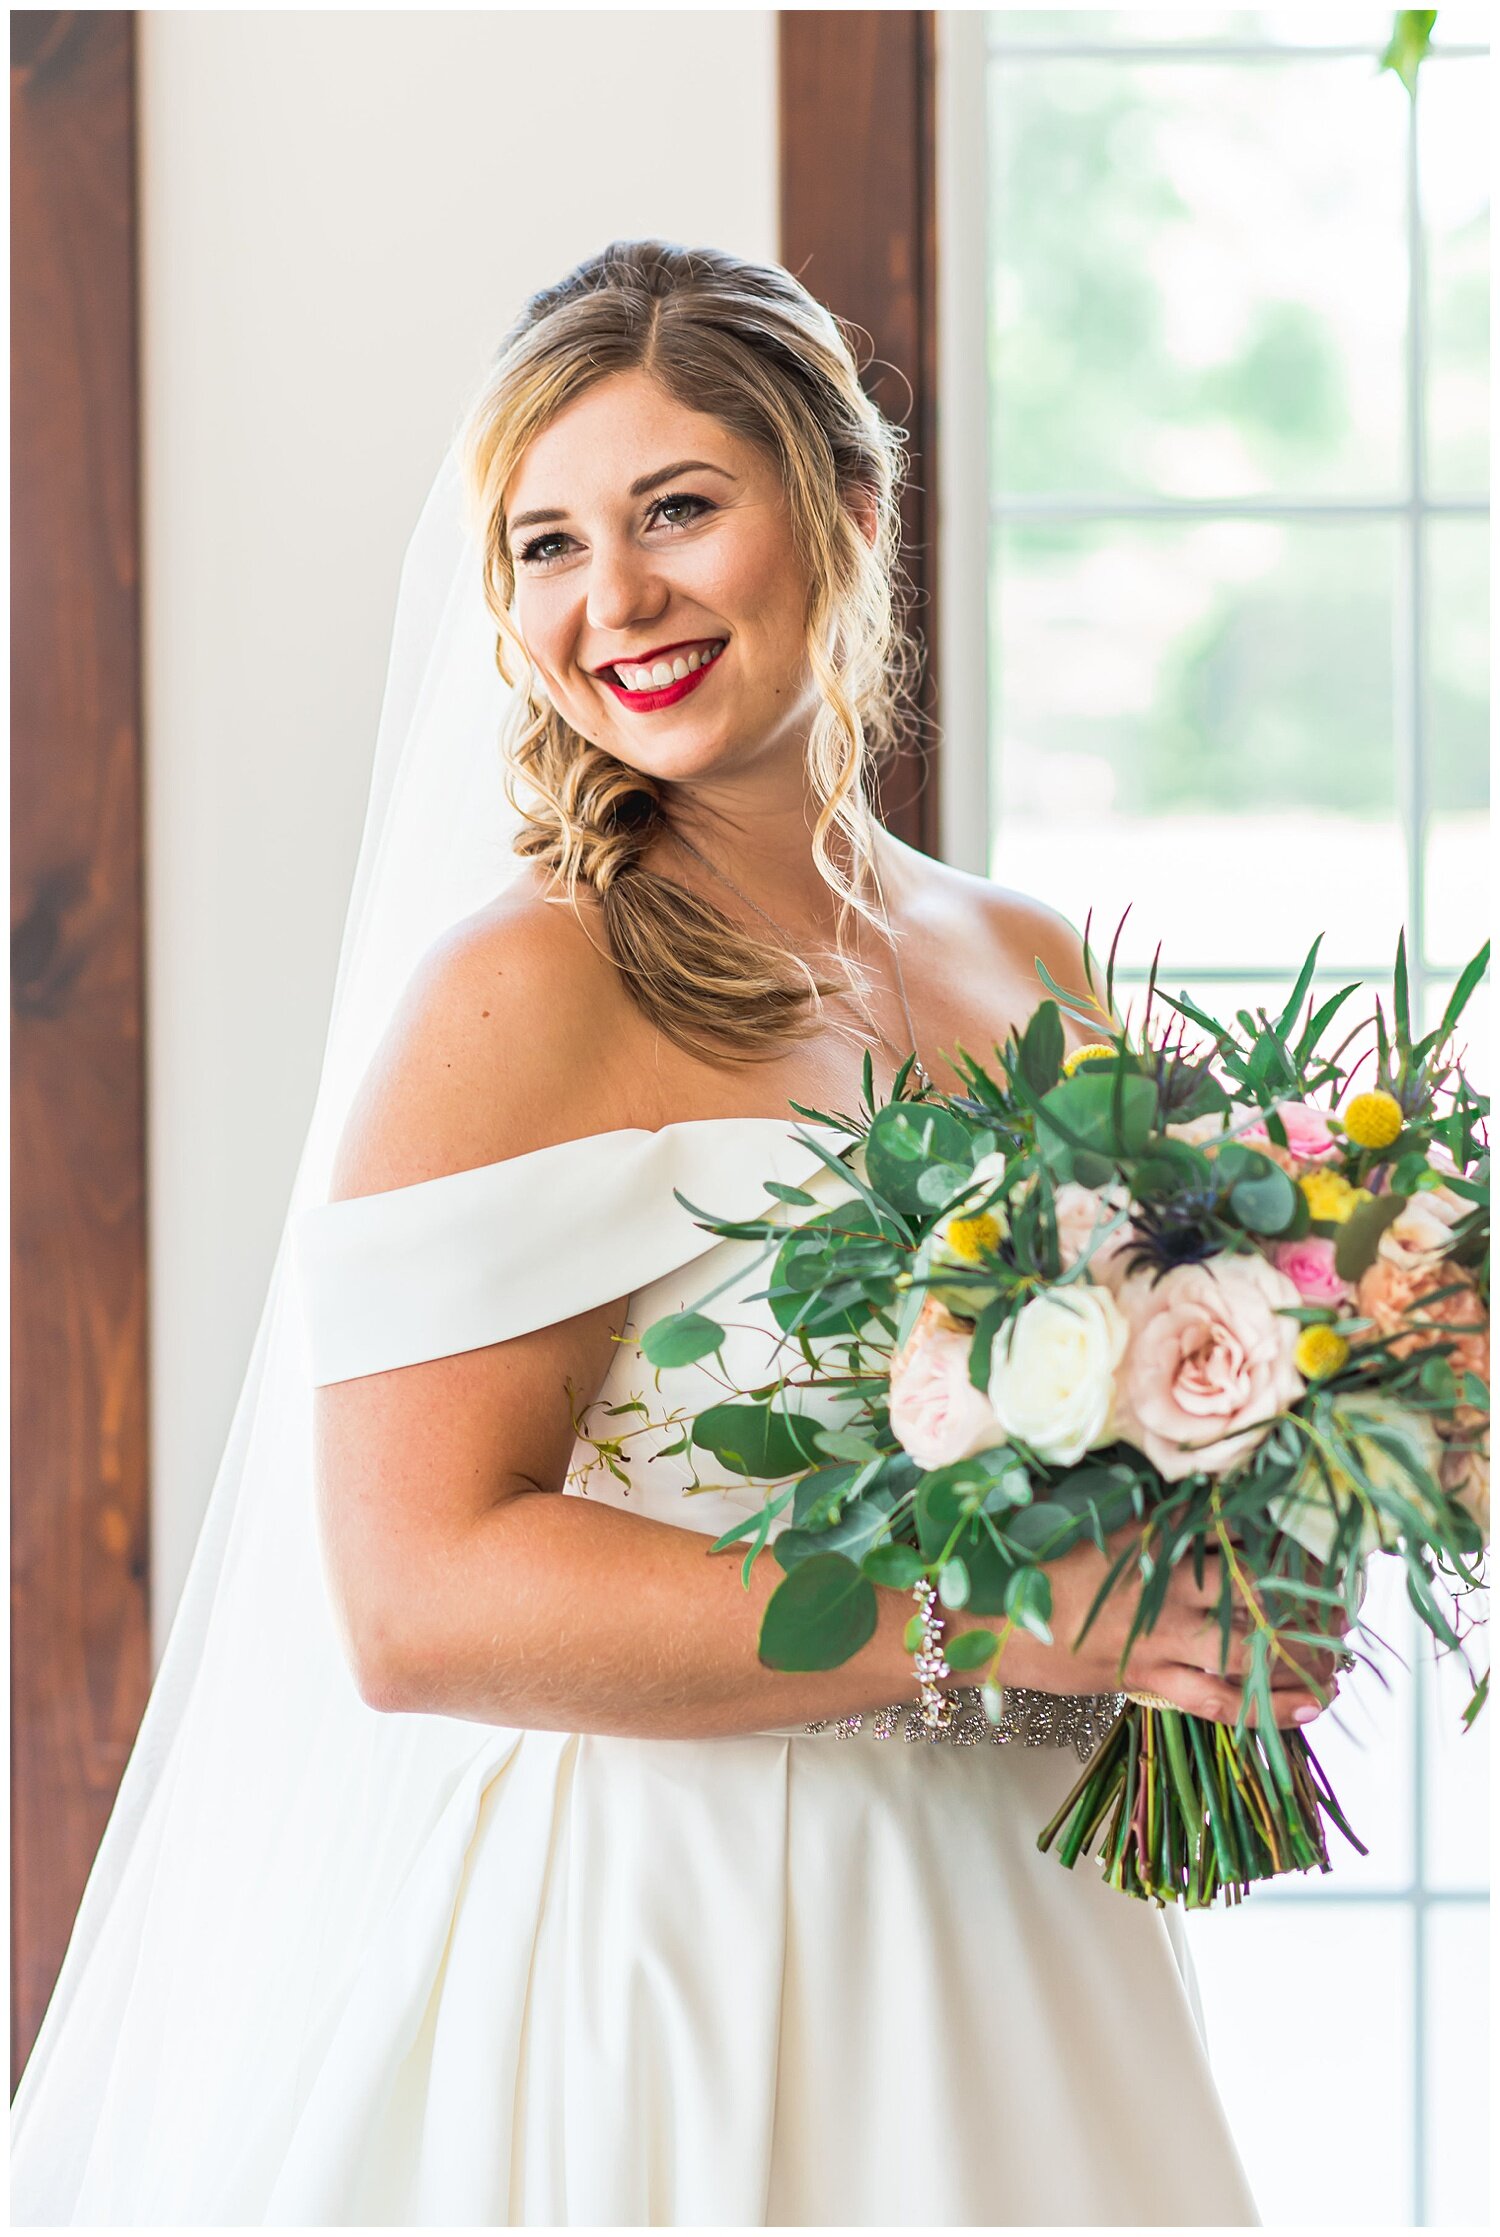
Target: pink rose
[(936, 1413), (1080, 1211), (1308, 1264), (1309, 1137), (1208, 1363)]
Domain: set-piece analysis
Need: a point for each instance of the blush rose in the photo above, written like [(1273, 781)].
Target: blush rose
[(936, 1413), (1210, 1360), (1081, 1214)]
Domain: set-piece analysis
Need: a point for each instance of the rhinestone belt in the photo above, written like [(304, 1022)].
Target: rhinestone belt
[(1036, 1719)]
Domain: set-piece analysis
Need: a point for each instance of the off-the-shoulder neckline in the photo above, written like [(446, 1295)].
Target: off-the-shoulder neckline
[(788, 1127)]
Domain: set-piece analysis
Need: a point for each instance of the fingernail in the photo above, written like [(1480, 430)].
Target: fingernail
[(1306, 1713)]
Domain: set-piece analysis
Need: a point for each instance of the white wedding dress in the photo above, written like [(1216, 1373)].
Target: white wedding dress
[(792, 1978), (336, 1967)]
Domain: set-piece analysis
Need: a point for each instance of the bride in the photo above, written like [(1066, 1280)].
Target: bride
[(470, 1868)]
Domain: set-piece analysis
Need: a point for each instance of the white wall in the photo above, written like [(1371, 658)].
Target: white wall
[(340, 214)]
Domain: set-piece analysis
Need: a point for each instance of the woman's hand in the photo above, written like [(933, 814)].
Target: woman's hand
[(1179, 1658)]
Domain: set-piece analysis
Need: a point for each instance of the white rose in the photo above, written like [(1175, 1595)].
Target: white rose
[(1209, 1126), (1419, 1234), (1052, 1379)]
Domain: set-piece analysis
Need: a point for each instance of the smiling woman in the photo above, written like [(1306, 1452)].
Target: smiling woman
[(762, 536), (474, 1868)]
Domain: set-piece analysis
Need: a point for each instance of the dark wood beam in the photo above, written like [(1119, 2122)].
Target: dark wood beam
[(80, 1640), (858, 228)]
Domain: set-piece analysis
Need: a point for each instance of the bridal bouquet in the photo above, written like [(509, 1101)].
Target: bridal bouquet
[(1215, 1291)]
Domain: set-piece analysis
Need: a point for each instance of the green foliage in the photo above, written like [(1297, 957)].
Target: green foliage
[(1359, 1236), (1411, 36), (757, 1440), (820, 1614), (1351, 1466), (905, 1141), (680, 1339)]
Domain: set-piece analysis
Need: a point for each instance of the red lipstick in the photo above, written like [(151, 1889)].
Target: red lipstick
[(646, 702)]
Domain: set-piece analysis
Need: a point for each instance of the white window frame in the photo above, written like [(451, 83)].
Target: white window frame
[(971, 44)]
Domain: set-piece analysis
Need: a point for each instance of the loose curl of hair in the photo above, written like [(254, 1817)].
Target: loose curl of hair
[(747, 343)]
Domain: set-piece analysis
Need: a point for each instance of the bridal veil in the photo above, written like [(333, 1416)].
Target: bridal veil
[(267, 1814)]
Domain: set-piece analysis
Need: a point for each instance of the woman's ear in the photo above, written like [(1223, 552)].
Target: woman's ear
[(866, 512)]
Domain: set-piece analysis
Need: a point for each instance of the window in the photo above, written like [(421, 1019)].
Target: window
[(1235, 412)]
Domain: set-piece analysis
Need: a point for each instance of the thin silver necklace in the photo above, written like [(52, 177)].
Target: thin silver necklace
[(920, 1073)]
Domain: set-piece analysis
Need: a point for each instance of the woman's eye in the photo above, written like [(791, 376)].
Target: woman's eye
[(537, 553), (683, 497), (533, 553)]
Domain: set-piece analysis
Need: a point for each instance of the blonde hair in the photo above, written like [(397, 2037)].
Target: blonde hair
[(747, 343)]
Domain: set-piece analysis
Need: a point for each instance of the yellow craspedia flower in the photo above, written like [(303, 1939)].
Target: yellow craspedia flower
[(1330, 1196), (973, 1238), (1320, 1351), (1373, 1120), (1081, 1056)]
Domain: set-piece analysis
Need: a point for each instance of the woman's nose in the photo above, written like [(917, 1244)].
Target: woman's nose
[(623, 587)]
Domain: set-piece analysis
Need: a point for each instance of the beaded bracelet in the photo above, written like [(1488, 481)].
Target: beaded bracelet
[(936, 1706)]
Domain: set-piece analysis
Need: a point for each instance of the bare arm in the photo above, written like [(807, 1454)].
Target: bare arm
[(464, 1581)]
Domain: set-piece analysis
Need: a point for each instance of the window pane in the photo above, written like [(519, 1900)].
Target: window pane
[(1472, 1047), (1457, 720), (1453, 143), (1308, 2010), (1327, 25), (1199, 720), (1458, 2061), (1464, 25), (1364, 1744), (1199, 283), (1455, 1772)]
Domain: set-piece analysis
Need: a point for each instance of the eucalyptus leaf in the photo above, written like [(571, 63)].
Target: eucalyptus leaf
[(1028, 1603), (1265, 1201), (953, 1582), (1107, 1112), (1035, 1528), (969, 1649), (820, 1494), (893, 1564), (847, 1444), (939, 1185), (681, 1338), (758, 1440), (821, 1613), (1358, 1238), (857, 1530), (904, 1140)]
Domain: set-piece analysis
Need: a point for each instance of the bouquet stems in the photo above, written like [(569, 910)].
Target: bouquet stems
[(1188, 1812)]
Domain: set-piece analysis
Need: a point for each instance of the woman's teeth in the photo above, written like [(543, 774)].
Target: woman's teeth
[(664, 672)]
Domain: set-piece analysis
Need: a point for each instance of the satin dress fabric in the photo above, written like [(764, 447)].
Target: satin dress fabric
[(787, 1979)]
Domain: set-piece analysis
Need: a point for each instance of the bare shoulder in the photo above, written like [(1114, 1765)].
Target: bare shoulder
[(498, 1045), (1012, 931)]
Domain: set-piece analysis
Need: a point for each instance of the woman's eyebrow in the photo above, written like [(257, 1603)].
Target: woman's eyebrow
[(639, 488)]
